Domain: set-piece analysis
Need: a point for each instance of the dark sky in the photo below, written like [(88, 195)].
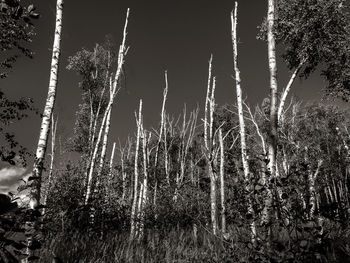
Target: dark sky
[(177, 36)]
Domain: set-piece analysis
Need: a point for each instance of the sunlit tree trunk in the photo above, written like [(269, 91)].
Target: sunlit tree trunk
[(114, 91), (207, 102), (272, 141), (136, 173), (103, 148), (241, 116), (160, 136), (35, 179), (211, 159), (286, 92), (312, 191), (110, 173), (222, 183), (53, 150), (145, 153)]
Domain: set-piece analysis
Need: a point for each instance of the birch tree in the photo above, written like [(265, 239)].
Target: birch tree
[(297, 30), (241, 116), (52, 158), (136, 173), (162, 130), (35, 179), (114, 91), (209, 143), (222, 183)]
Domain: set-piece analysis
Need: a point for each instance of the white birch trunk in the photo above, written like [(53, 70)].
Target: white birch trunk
[(145, 153), (312, 192), (272, 141), (53, 150), (35, 178), (110, 172), (115, 90), (161, 129), (210, 150), (206, 103), (38, 166), (273, 87), (103, 149), (241, 116), (286, 92), (222, 184), (136, 173)]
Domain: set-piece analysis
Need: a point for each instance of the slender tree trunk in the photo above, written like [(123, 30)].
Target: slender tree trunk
[(104, 148), (110, 172), (213, 207), (47, 115), (312, 192), (35, 178), (273, 86), (166, 165), (241, 117), (206, 103), (115, 90), (212, 175), (136, 173), (53, 150), (286, 92), (161, 129), (145, 153), (222, 184), (272, 141)]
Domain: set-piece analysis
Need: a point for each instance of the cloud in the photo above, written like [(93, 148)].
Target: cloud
[(10, 178)]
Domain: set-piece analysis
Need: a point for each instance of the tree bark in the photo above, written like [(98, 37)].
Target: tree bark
[(35, 179), (272, 141), (206, 103), (136, 173), (115, 90), (222, 184), (286, 92), (53, 150), (312, 191), (241, 117)]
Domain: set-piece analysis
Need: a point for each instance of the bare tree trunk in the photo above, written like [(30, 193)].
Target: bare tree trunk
[(213, 207), (222, 184), (206, 103), (145, 153), (161, 129), (273, 87), (110, 173), (115, 90), (312, 192), (166, 167), (104, 148), (136, 173), (47, 115), (35, 178), (241, 117), (272, 141), (53, 150), (286, 91), (212, 175)]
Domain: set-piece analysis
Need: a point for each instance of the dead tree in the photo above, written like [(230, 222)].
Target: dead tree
[(114, 91), (136, 173), (241, 118)]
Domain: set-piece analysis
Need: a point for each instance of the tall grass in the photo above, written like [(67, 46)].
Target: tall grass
[(179, 245)]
